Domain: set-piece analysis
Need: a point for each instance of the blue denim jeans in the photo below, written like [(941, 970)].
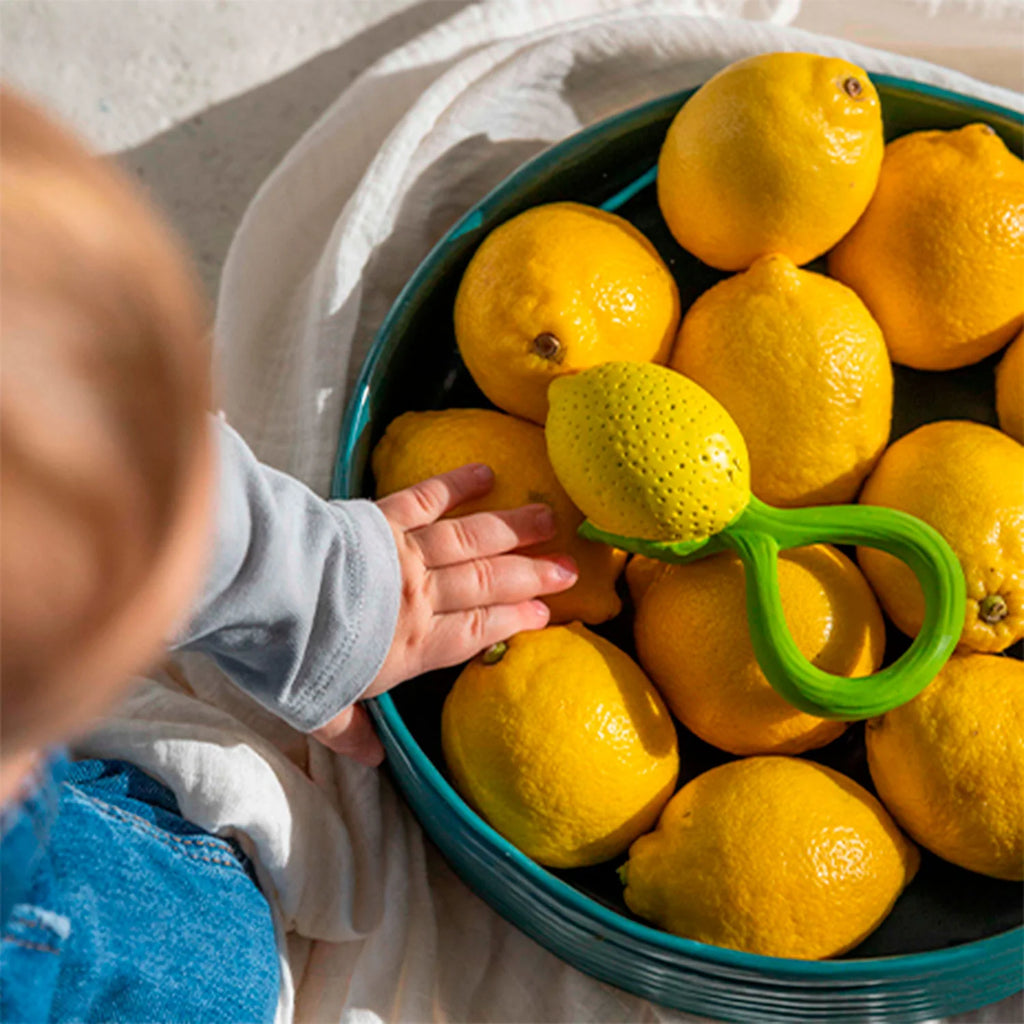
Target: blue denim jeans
[(115, 908)]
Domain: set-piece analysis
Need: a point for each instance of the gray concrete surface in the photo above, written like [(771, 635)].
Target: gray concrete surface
[(200, 98)]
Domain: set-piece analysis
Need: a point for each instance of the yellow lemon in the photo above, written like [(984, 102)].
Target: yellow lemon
[(966, 480), (645, 452), (562, 744), (949, 765), (771, 855), (640, 574), (693, 639), (557, 289), (776, 153), (778, 345), (418, 445), (1010, 389), (938, 256)]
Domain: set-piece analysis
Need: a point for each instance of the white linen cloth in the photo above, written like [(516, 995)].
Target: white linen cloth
[(373, 925)]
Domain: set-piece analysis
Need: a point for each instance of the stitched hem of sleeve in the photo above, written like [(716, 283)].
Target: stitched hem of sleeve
[(359, 657)]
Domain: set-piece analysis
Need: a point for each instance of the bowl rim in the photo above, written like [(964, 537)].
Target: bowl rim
[(386, 715), (389, 721)]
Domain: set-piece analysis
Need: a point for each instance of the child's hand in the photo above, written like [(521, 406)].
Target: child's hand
[(462, 589)]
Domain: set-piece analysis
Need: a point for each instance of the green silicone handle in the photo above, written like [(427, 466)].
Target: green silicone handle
[(760, 532)]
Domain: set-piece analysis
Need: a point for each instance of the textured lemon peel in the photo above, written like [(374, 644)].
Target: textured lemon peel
[(564, 746), (950, 769), (555, 289), (947, 210), (772, 154), (792, 892)]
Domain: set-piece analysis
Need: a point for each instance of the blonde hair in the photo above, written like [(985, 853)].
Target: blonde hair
[(103, 395)]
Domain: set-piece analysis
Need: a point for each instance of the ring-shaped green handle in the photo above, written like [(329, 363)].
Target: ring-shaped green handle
[(760, 532)]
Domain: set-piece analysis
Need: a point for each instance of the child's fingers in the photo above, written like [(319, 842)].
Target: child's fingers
[(459, 636), (483, 534), (427, 501), (507, 579), (351, 733)]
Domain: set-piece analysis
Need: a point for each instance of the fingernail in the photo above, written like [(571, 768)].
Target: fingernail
[(565, 568), (481, 471), (545, 520), (541, 609)]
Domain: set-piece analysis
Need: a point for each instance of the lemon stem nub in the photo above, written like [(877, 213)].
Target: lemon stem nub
[(853, 88), (495, 653), (547, 346), (992, 608)]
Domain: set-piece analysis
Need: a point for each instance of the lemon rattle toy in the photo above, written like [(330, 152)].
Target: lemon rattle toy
[(660, 469)]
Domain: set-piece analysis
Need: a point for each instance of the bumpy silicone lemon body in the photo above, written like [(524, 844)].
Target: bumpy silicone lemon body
[(771, 855), (557, 289), (778, 345), (693, 639), (563, 745), (645, 452), (1010, 389), (949, 765), (938, 256), (418, 445), (966, 480), (776, 153)]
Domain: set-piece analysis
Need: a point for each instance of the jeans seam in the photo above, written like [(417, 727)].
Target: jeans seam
[(155, 833), (30, 945)]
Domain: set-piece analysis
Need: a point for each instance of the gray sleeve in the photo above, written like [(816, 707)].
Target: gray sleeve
[(301, 595)]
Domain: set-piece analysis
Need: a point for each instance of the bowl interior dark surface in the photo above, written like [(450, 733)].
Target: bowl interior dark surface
[(415, 366)]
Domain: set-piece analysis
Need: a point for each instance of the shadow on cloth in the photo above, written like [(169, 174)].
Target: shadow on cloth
[(205, 171)]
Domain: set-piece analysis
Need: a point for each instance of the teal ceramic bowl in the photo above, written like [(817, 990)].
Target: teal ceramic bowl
[(954, 940)]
